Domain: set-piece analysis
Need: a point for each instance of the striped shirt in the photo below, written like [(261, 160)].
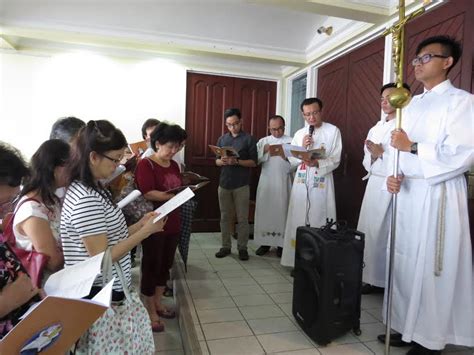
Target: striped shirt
[(86, 213)]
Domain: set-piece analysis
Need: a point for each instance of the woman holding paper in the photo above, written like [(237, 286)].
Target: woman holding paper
[(91, 222), (38, 212), (155, 176)]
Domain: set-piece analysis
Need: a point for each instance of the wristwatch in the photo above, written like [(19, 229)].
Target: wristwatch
[(414, 148)]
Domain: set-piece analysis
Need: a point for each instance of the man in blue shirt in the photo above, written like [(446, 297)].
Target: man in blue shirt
[(234, 189)]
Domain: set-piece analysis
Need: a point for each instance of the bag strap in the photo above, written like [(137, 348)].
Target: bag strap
[(8, 234), (107, 273)]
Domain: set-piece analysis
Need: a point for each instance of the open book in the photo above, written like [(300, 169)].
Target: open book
[(192, 180), (174, 203), (224, 151), (53, 325), (138, 148), (276, 150), (302, 153)]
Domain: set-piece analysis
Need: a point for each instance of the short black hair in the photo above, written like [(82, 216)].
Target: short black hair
[(13, 168), (164, 133), (66, 128), (232, 112), (393, 85), (275, 117), (310, 101), (151, 122), (451, 47)]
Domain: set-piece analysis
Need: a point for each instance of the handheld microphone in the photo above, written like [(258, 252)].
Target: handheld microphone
[(311, 131)]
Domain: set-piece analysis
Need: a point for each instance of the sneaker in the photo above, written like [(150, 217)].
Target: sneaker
[(243, 255), (262, 250), (223, 252)]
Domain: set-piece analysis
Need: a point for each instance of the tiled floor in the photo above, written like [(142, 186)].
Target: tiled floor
[(245, 308)]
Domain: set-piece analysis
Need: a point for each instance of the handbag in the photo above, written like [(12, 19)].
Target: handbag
[(136, 209), (34, 262), (124, 328)]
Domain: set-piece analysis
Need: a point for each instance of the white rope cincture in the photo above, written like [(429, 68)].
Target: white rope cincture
[(439, 252)]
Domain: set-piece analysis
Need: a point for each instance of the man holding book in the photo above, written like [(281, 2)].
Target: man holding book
[(234, 189), (273, 189), (312, 195)]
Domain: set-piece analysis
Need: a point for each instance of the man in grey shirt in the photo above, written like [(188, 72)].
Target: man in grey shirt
[(234, 189)]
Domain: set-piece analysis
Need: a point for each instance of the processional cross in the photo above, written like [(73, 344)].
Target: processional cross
[(399, 98)]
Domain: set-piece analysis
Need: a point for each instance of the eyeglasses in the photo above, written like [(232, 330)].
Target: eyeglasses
[(309, 114), (426, 58), (115, 161), (277, 129), (232, 124)]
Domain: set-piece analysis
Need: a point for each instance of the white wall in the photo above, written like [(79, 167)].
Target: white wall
[(36, 90)]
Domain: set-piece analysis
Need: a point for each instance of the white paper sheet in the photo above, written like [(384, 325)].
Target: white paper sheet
[(104, 297), (129, 198), (287, 148), (74, 281), (174, 203)]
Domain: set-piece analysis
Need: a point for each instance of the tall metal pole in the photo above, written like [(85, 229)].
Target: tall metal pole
[(399, 98)]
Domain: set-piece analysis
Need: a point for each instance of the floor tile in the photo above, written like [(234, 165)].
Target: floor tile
[(213, 303), (235, 346), (270, 279), (366, 317), (208, 292), (379, 349), (371, 301), (259, 312), (226, 330), (168, 341), (170, 352), (239, 281), (370, 331), (271, 325), (284, 297), (299, 352), (219, 315), (245, 290), (269, 271), (252, 300), (376, 313), (278, 287), (284, 341), (229, 274), (347, 349), (204, 348)]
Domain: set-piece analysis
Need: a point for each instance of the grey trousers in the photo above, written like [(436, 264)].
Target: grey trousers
[(230, 202)]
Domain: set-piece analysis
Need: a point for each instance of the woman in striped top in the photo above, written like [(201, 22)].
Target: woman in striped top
[(90, 221)]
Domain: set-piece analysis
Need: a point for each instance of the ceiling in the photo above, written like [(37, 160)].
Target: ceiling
[(271, 35)]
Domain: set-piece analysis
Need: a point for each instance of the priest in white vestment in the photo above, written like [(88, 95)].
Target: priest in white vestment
[(273, 190), (433, 290), (375, 212), (313, 178)]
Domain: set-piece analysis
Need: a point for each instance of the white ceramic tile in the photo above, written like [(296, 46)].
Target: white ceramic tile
[(209, 292), (204, 349), (284, 297), (270, 279), (239, 281), (366, 317), (168, 341), (230, 274), (245, 290), (213, 303), (235, 346), (348, 338), (370, 331), (271, 325), (226, 330), (279, 287), (299, 352), (170, 352), (376, 313), (347, 349), (228, 267), (286, 308), (269, 271), (379, 349), (252, 300), (284, 341), (372, 301), (259, 312), (219, 315)]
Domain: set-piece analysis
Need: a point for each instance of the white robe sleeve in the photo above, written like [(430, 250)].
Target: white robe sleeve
[(294, 162), (332, 161), (453, 153), (262, 157)]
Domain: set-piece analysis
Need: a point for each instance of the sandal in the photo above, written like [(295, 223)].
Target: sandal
[(166, 313), (157, 326)]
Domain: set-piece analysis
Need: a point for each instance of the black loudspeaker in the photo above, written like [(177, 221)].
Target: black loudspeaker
[(327, 281)]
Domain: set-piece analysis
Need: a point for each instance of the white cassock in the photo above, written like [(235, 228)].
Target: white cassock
[(273, 192), (429, 309), (317, 183), (375, 212)]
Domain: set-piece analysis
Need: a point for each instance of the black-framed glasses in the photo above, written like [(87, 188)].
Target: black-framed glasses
[(115, 161), (232, 124), (281, 128), (426, 58), (309, 114)]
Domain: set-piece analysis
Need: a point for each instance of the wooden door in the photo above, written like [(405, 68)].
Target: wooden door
[(208, 96), (350, 90)]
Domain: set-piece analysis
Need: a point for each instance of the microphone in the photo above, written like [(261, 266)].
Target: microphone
[(311, 131)]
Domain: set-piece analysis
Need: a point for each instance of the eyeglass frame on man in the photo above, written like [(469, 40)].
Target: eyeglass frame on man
[(233, 124), (426, 58), (311, 114)]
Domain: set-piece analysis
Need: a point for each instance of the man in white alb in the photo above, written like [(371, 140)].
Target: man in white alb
[(273, 190), (312, 197), (433, 290), (375, 212)]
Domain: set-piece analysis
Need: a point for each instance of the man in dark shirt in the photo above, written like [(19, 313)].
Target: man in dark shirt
[(234, 189)]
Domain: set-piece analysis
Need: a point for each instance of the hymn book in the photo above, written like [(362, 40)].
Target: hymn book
[(138, 148), (276, 150), (224, 151)]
